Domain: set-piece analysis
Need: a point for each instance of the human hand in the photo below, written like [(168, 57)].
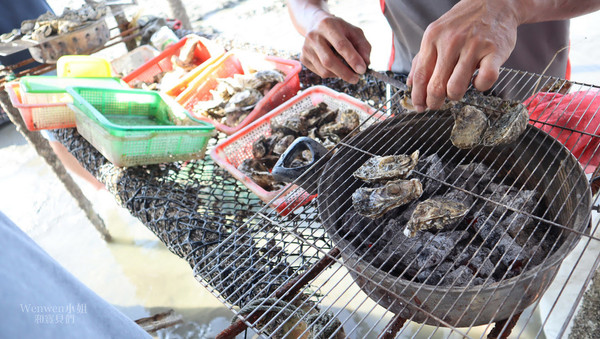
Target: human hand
[(335, 48), (474, 34)]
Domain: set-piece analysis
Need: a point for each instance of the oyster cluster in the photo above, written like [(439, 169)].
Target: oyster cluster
[(482, 119), (235, 97), (397, 190), (323, 124), (48, 24), (488, 121)]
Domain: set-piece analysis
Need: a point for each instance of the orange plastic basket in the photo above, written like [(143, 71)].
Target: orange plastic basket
[(240, 62), (230, 153), (206, 53), (40, 116)]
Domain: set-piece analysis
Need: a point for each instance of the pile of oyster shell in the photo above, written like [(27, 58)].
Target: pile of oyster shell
[(321, 123), (483, 119), (48, 24), (235, 97), (389, 176), (182, 62)]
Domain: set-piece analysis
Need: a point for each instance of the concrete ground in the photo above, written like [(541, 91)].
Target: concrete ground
[(137, 273)]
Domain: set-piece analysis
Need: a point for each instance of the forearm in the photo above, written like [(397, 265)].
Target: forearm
[(306, 13), (532, 11)]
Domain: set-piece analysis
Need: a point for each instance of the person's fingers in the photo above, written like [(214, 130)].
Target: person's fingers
[(362, 45), (489, 70), (420, 74), (409, 77), (334, 63), (308, 58), (436, 88), (459, 81)]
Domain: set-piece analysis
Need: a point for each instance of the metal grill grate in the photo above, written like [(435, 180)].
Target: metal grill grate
[(356, 299)]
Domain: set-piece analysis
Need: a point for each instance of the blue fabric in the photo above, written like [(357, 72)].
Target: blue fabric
[(40, 299)]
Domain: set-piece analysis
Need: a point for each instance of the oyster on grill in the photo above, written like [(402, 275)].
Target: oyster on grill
[(509, 126), (435, 212), (374, 202), (470, 123), (378, 168)]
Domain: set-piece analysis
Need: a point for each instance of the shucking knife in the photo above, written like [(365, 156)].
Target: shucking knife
[(389, 80)]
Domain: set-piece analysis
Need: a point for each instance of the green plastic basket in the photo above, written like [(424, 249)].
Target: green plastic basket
[(137, 127)]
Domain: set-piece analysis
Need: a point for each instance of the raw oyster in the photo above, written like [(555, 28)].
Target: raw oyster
[(508, 127), (389, 167), (435, 212), (469, 125), (374, 202), (345, 122)]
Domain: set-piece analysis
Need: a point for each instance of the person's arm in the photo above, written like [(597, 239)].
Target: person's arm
[(332, 46), (477, 34)]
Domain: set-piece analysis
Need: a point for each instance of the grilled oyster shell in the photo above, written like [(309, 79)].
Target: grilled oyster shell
[(390, 167), (508, 127), (374, 202), (470, 123), (435, 212)]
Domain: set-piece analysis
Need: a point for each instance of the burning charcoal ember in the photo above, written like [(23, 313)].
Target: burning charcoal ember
[(436, 212), (470, 124), (381, 169), (517, 224), (472, 177), (505, 195), (504, 248), (478, 259), (374, 202), (433, 168), (437, 247), (358, 229), (461, 276), (434, 275)]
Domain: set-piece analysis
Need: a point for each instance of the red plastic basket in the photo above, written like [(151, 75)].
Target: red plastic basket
[(240, 62), (40, 116), (234, 150), (205, 54)]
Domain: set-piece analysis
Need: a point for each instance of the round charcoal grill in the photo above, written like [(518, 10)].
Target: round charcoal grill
[(535, 161)]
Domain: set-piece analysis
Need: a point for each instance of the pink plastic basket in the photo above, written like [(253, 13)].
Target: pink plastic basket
[(234, 150), (239, 62), (40, 116), (206, 53)]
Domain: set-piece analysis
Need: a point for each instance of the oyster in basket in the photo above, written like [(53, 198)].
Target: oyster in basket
[(435, 212), (470, 123), (345, 122), (374, 202), (390, 167)]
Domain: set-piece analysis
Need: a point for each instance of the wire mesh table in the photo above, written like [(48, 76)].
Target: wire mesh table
[(284, 276)]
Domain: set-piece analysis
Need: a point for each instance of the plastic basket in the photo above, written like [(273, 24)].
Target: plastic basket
[(137, 127), (230, 153), (40, 116), (240, 62), (82, 66), (206, 53), (127, 63)]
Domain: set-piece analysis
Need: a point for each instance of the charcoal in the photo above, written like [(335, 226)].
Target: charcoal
[(516, 225), (358, 229), (438, 248), (477, 259), (434, 275), (505, 248), (432, 167), (461, 276), (472, 177), (521, 200)]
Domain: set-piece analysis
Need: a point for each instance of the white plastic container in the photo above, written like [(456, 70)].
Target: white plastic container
[(163, 38)]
